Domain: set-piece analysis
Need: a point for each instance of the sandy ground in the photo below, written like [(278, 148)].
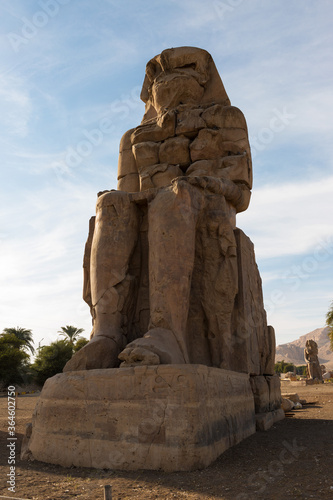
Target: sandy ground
[(293, 460)]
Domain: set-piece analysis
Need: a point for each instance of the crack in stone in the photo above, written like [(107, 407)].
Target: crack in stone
[(156, 433)]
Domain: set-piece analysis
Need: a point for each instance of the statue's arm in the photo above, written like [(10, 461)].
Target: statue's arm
[(237, 164), (86, 263), (237, 194), (128, 176)]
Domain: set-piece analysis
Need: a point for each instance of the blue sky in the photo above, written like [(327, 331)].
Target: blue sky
[(71, 73)]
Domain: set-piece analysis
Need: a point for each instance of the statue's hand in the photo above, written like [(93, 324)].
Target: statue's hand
[(105, 191), (237, 194), (204, 182), (194, 181)]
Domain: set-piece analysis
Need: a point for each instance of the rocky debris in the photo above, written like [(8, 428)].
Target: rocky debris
[(294, 397), (287, 405)]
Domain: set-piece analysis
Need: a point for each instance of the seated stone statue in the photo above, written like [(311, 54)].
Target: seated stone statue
[(160, 265), (313, 369)]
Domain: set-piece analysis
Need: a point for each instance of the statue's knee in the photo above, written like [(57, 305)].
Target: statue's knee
[(115, 204), (112, 198), (172, 199), (189, 195)]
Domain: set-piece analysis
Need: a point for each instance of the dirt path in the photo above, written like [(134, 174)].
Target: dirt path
[(293, 460)]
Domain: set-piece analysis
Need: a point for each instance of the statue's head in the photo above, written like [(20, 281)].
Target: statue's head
[(181, 76), (311, 347)]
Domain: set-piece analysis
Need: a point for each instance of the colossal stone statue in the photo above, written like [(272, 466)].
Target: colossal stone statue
[(313, 368), (180, 365), (160, 261)]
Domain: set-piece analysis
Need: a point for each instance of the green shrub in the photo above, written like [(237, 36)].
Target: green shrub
[(13, 360), (51, 360)]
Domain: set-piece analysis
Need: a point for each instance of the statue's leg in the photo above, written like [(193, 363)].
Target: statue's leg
[(115, 236), (311, 370), (220, 280), (172, 219), (114, 239), (308, 370), (86, 266), (318, 373)]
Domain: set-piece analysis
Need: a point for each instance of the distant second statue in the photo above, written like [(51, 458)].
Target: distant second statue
[(313, 368)]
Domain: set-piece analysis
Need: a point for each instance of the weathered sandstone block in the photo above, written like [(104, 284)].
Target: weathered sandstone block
[(265, 420), (169, 417), (287, 405), (176, 151), (294, 397), (260, 391), (267, 399), (189, 122), (274, 385), (253, 341), (146, 153)]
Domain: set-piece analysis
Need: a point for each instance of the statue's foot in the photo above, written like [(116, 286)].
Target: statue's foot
[(100, 352), (158, 346), (135, 354)]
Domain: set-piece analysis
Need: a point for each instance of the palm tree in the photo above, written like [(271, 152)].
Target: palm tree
[(329, 323), (71, 332), (22, 334)]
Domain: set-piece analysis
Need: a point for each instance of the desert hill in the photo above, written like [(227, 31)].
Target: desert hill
[(293, 352)]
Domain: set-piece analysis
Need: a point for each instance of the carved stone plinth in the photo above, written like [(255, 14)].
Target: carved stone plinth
[(264, 421), (169, 417)]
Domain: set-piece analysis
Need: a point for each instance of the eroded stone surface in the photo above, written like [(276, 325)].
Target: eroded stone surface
[(265, 420), (267, 393), (294, 397), (176, 151), (274, 385), (174, 292), (169, 417), (287, 405), (253, 341), (162, 253), (260, 391)]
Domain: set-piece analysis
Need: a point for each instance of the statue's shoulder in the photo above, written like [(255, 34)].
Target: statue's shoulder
[(224, 117), (125, 141), (236, 114), (128, 177)]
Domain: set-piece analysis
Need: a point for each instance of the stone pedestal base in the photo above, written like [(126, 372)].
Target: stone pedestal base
[(313, 381), (169, 417), (264, 421)]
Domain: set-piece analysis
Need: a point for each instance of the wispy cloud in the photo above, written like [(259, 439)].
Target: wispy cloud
[(16, 106), (289, 218), (41, 264)]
